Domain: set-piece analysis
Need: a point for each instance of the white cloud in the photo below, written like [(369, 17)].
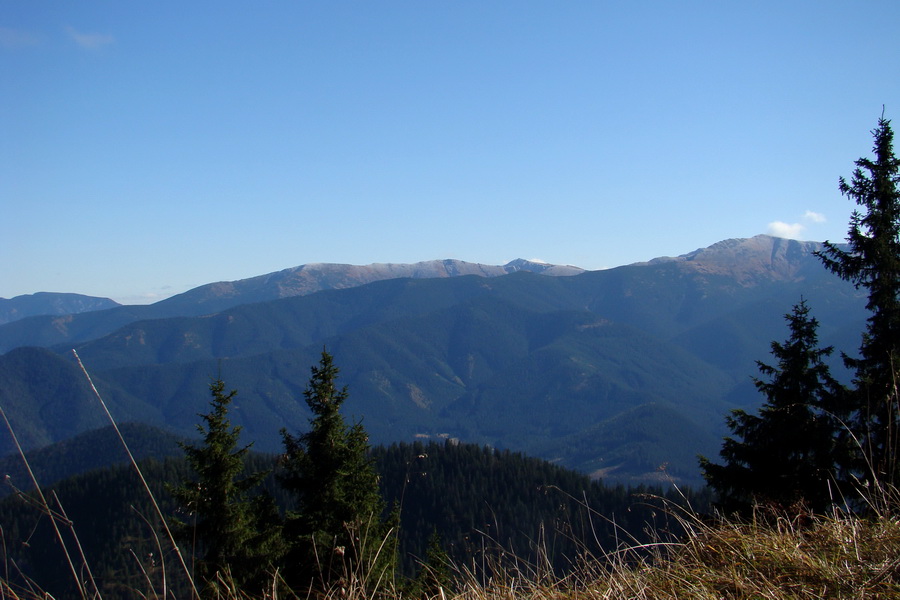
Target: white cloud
[(89, 40), (814, 217), (786, 230), (793, 231)]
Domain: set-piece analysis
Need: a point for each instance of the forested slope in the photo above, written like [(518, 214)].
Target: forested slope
[(480, 501)]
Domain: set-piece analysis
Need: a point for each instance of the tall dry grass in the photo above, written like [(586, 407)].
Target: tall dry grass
[(770, 557)]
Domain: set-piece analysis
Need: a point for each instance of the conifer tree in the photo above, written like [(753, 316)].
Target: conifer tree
[(872, 262), (232, 534), (784, 455), (337, 526), (434, 577)]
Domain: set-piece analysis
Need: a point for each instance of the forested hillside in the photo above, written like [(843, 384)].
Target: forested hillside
[(481, 502), (565, 368), (95, 449)]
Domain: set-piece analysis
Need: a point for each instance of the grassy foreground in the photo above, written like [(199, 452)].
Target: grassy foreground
[(840, 556)]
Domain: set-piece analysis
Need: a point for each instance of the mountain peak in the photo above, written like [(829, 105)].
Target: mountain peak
[(539, 266), (748, 259)]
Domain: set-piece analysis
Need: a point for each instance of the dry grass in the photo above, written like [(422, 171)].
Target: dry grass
[(842, 556)]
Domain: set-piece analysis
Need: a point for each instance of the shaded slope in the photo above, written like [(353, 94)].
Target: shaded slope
[(484, 371), (47, 399), (95, 449)]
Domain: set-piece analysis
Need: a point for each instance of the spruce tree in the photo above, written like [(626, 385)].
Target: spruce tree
[(434, 578), (872, 262), (232, 534), (337, 526), (784, 455)]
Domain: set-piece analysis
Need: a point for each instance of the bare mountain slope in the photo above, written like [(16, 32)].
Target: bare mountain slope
[(314, 277), (750, 260)]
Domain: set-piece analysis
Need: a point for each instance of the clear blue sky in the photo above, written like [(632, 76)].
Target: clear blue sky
[(150, 147)]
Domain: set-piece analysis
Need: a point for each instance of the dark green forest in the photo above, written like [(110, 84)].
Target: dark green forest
[(481, 502)]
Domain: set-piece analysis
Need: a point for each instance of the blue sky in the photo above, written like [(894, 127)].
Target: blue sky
[(150, 147)]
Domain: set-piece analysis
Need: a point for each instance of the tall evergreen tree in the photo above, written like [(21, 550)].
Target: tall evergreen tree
[(785, 454), (231, 533), (337, 527), (872, 262), (434, 577)]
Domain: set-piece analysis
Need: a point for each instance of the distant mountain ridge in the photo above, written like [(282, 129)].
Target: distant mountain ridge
[(613, 372), (314, 277), (56, 327), (747, 260), (50, 303)]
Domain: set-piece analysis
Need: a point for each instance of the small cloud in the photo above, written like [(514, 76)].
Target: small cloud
[(90, 40), (13, 38), (785, 230), (793, 231), (814, 217)]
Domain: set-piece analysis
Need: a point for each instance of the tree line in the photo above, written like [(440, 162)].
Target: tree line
[(311, 519), (816, 442), (356, 516), (460, 505), (337, 527)]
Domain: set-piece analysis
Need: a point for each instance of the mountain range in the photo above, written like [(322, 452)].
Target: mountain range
[(86, 318), (49, 303), (624, 373)]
